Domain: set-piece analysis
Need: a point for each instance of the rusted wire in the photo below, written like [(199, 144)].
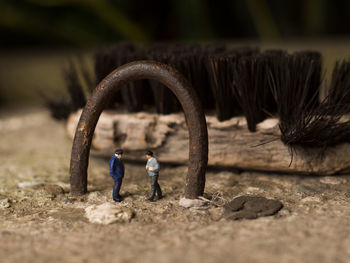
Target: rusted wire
[(195, 118)]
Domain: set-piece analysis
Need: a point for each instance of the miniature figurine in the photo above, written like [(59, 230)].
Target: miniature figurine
[(153, 168), (116, 171)]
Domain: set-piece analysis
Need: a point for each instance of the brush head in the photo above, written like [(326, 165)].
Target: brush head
[(231, 81)]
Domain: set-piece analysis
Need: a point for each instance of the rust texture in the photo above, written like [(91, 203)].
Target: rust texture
[(195, 118)]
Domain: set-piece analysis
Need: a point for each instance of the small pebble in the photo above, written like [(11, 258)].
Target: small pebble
[(108, 213), (5, 203), (334, 180)]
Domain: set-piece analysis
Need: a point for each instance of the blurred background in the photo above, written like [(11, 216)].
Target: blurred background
[(39, 36)]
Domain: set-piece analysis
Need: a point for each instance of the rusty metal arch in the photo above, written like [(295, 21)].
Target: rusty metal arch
[(195, 118)]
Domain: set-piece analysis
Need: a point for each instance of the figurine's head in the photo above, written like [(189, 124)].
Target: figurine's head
[(149, 154), (119, 153)]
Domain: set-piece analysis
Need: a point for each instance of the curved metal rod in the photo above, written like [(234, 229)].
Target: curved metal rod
[(195, 119)]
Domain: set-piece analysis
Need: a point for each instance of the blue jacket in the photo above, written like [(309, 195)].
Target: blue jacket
[(116, 167)]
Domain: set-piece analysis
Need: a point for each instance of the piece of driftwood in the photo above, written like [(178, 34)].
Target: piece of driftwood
[(230, 143)]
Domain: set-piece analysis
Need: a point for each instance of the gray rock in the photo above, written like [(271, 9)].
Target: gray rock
[(251, 207), (108, 213)]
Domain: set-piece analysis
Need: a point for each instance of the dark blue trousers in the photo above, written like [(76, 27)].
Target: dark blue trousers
[(116, 188)]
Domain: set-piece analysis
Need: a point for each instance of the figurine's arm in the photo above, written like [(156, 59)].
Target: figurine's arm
[(112, 167), (119, 168)]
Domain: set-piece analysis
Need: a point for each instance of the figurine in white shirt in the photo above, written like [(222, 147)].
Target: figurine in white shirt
[(152, 168)]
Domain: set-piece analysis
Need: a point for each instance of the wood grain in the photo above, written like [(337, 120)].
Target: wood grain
[(230, 143)]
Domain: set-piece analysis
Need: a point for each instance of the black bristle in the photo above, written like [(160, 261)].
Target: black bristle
[(59, 109), (303, 120), (291, 84), (274, 67), (193, 66), (315, 58), (74, 87), (75, 99), (88, 78), (135, 94), (221, 75), (319, 127), (107, 60), (220, 80), (165, 101), (251, 88), (339, 90)]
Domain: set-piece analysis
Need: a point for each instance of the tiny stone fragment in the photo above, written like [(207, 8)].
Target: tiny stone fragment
[(251, 207), (28, 184), (5, 203), (315, 199), (190, 203), (334, 180), (108, 213)]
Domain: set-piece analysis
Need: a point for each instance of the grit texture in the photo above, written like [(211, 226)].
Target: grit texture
[(41, 222)]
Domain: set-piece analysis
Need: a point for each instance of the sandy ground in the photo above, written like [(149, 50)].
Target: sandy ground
[(39, 223)]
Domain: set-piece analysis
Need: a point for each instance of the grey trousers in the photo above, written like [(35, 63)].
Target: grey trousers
[(155, 188)]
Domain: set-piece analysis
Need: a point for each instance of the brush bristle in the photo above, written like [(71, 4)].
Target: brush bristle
[(232, 81), (339, 90), (221, 68), (59, 109), (251, 89), (107, 60), (303, 120), (74, 87)]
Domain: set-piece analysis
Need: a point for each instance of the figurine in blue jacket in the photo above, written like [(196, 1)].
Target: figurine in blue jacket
[(116, 171), (152, 168)]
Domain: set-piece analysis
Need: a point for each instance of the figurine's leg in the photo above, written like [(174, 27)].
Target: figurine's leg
[(153, 187), (120, 185), (158, 189), (116, 189)]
